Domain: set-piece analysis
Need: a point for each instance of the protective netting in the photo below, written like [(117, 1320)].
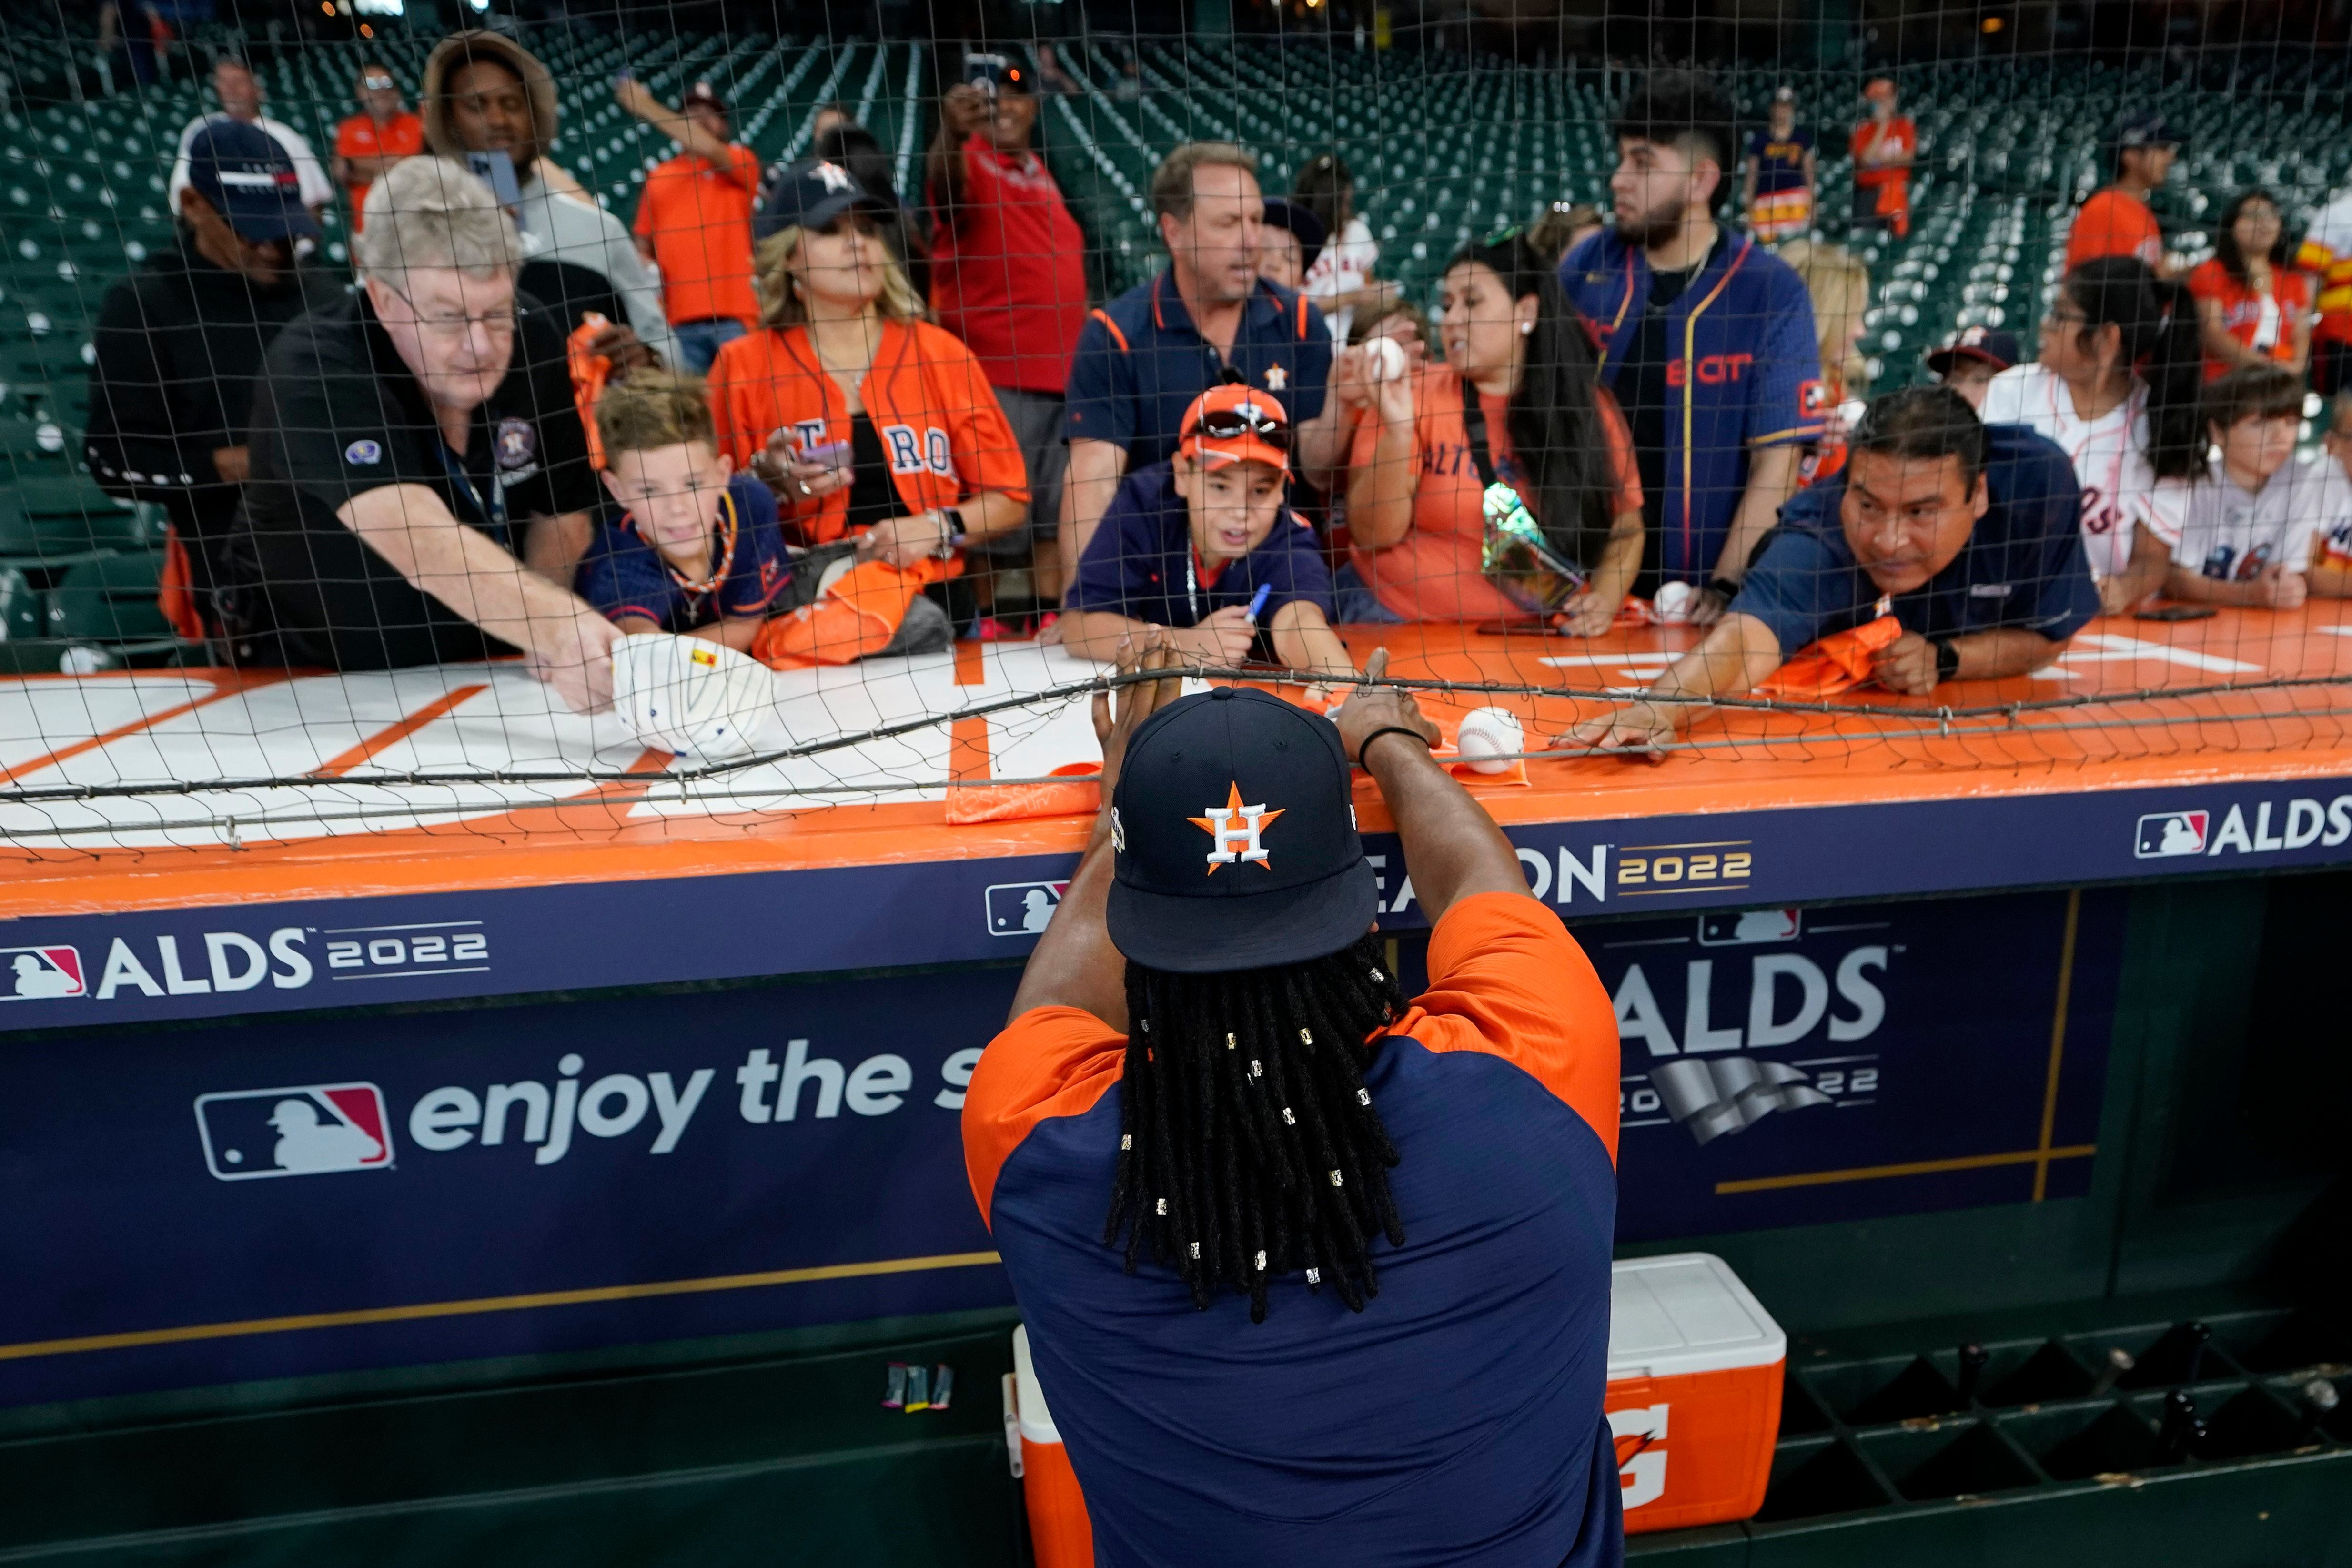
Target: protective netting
[(264, 560)]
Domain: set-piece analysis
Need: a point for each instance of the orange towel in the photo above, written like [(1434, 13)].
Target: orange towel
[(589, 374), (1079, 795), (857, 617), (1834, 664)]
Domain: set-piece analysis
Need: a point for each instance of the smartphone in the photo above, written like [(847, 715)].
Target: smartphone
[(495, 169), (984, 71), (831, 454), (2177, 613)]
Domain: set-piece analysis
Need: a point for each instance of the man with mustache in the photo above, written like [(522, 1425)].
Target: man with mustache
[(1968, 534)]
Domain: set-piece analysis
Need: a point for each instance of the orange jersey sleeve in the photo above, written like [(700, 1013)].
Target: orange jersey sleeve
[(1050, 1062), (1505, 978), (987, 456)]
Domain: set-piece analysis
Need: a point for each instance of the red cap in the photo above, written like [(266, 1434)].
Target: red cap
[(1879, 87), (1233, 424)]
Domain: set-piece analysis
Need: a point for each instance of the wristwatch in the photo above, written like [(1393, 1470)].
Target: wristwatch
[(1724, 588), (1948, 660), (952, 533)]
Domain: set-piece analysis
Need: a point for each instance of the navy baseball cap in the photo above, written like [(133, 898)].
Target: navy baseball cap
[(246, 177), (1993, 346), (1300, 219), (811, 194), (1235, 840), (2147, 128)]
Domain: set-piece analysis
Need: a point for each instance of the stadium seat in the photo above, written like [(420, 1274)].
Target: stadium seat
[(111, 599)]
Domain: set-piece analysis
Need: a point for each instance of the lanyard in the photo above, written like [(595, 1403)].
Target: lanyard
[(728, 528), (494, 508)]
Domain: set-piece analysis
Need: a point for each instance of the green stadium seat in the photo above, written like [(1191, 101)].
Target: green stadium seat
[(24, 609), (111, 599)]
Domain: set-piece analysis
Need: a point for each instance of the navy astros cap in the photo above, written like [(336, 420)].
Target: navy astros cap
[(811, 194), (1235, 839), (246, 177), (1991, 344), (2147, 128)]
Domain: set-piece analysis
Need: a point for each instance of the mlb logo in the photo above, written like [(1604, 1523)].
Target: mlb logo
[(40, 973), (2165, 834), (310, 1130), (1023, 909), (1747, 928)]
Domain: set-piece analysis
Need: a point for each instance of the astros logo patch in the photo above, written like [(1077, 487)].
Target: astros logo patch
[(1234, 829), (517, 443)]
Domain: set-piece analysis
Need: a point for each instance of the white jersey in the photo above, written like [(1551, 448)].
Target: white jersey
[(2120, 490), (1345, 265), (566, 229), (316, 189), (2235, 535)]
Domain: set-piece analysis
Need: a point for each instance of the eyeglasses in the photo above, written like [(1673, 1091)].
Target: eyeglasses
[(1244, 419), (2059, 316), (497, 326)]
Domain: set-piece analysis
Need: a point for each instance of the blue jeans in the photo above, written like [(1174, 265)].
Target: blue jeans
[(1353, 603), (698, 342)]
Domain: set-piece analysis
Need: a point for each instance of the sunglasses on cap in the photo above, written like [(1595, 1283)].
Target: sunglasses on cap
[(375, 83), (1243, 419)]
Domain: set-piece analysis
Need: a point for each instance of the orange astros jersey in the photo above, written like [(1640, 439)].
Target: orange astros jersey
[(929, 402)]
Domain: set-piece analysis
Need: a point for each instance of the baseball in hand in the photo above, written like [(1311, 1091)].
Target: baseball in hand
[(1490, 739), (1674, 602), (1383, 360)]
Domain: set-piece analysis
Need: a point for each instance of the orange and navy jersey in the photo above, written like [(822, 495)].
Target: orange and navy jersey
[(1458, 1417), (941, 428)]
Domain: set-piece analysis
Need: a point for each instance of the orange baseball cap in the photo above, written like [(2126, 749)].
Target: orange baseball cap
[(1879, 87), (1236, 423)]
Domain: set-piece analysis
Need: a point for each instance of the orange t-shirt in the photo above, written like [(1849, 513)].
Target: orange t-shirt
[(2114, 223), (2241, 308), (361, 137), (929, 399), (698, 216), (1433, 572), (1894, 184)]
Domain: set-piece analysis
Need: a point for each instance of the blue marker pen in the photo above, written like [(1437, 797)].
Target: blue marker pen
[(1258, 599)]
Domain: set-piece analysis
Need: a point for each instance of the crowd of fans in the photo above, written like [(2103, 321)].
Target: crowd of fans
[(533, 428)]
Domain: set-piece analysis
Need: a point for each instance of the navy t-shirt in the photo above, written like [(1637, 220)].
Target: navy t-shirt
[(2022, 566), (1779, 162), (624, 574), (1141, 564)]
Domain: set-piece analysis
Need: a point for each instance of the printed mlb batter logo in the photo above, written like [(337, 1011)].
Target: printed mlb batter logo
[(2165, 834), (1023, 909), (308, 1129), (1233, 831), (40, 973)]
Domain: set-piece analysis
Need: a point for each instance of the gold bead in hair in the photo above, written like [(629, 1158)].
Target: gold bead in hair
[(1335, 1181), (1229, 1042), (1289, 1120)]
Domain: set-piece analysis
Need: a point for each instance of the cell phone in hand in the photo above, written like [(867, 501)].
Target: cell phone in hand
[(827, 454), (2177, 613), (495, 168)]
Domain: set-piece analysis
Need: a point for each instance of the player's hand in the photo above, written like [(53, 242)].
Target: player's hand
[(1589, 615), (1375, 707), (628, 351), (1907, 665), (2280, 589), (1226, 637), (577, 661), (1135, 704)]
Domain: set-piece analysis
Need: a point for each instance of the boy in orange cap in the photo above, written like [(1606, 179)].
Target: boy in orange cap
[(1202, 547)]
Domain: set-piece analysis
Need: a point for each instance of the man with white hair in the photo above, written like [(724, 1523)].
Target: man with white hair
[(413, 445)]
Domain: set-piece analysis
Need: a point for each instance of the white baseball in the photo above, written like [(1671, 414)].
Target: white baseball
[(1384, 360), (1490, 739), (1674, 602)]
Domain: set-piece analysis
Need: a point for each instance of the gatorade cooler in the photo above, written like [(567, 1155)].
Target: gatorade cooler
[(1694, 1396), (1059, 1532)]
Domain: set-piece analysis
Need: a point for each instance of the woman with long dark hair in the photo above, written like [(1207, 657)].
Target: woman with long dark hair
[(2253, 308), (1519, 401), (2117, 389)]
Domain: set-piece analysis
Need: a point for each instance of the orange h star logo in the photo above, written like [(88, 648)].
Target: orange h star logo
[(1234, 829)]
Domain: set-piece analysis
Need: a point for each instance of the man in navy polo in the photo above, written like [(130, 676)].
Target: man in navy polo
[(1968, 534), (1144, 358)]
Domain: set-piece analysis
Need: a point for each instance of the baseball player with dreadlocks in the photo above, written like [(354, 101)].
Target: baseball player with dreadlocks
[(1311, 1274)]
